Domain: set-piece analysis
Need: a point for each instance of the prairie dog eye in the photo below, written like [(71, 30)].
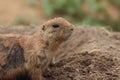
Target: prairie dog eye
[(43, 28), (55, 26)]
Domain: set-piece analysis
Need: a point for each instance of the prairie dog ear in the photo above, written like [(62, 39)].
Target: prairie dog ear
[(43, 27), (42, 32)]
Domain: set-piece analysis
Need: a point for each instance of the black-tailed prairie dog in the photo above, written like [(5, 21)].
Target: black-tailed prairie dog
[(26, 56)]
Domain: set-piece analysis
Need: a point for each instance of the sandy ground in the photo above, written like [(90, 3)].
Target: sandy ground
[(89, 54)]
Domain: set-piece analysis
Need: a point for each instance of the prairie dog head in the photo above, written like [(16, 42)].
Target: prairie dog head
[(57, 30)]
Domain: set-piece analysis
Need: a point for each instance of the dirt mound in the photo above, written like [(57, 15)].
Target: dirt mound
[(90, 54)]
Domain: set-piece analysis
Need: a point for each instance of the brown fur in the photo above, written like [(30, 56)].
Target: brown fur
[(39, 48)]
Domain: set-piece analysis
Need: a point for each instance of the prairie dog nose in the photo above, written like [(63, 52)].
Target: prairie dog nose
[(71, 29)]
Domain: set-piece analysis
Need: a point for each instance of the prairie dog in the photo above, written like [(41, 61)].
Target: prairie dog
[(38, 49)]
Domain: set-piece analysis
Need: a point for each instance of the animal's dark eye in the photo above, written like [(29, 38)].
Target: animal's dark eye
[(55, 25), (43, 28)]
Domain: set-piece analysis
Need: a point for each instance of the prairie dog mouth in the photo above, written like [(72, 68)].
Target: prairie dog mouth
[(68, 34)]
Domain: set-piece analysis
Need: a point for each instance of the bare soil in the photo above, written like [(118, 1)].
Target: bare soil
[(89, 54)]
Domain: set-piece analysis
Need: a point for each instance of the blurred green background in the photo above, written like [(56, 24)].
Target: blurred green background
[(104, 13)]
